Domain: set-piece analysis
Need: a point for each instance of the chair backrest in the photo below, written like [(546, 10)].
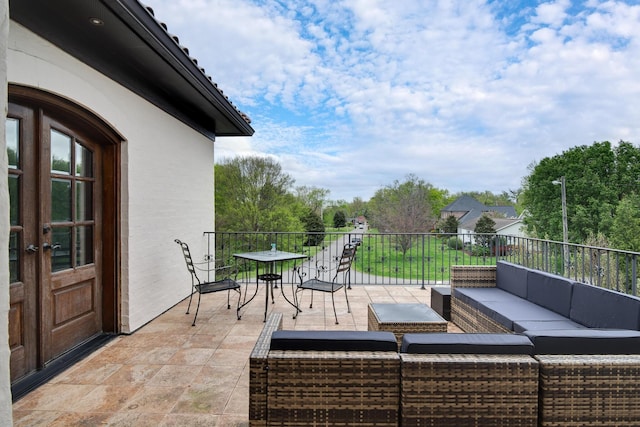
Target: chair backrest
[(348, 254), (188, 260)]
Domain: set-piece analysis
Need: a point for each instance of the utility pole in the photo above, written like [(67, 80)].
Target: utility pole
[(565, 228)]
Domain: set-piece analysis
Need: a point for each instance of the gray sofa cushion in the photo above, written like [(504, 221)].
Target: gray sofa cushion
[(602, 308), (520, 326), (512, 278), (334, 341), (443, 343), (516, 309), (474, 296), (585, 341), (550, 291)]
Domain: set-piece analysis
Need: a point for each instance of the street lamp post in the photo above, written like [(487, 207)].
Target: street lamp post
[(565, 228)]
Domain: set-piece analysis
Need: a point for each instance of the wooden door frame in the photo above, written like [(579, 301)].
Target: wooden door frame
[(110, 140)]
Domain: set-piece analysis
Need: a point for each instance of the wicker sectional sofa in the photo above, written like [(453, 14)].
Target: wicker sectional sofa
[(586, 339), (538, 350), (311, 378)]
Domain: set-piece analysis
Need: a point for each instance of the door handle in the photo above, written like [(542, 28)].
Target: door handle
[(32, 249), (48, 246)]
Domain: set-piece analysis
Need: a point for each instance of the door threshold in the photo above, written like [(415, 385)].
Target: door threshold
[(32, 381)]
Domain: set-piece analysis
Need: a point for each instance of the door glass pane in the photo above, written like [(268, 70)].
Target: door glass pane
[(60, 152), (84, 201), (60, 200), (14, 257), (84, 161), (61, 251), (84, 245), (13, 142), (14, 200)]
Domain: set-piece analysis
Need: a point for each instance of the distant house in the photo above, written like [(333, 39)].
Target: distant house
[(110, 134), (504, 226), (466, 208)]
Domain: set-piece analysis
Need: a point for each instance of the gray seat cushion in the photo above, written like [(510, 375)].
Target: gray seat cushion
[(334, 341), (516, 309), (520, 326), (602, 308), (443, 343), (474, 297), (512, 278), (550, 291), (585, 341)]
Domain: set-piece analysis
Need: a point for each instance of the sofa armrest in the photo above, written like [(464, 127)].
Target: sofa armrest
[(473, 276), (464, 315), (258, 364)]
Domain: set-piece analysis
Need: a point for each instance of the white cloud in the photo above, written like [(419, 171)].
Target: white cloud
[(552, 13), (464, 94)]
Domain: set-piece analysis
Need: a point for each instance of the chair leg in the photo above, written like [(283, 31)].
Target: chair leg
[(228, 299), (311, 303), (197, 309), (333, 301), (296, 302), (238, 306), (190, 298), (347, 298)]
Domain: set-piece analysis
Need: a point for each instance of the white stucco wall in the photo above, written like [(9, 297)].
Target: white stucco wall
[(6, 415), (167, 174)]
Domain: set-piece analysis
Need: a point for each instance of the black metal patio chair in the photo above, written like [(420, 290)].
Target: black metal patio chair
[(223, 281), (339, 280)]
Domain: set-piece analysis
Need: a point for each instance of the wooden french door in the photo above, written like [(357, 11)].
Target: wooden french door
[(56, 239)]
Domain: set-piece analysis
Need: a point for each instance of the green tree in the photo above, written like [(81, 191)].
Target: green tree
[(339, 219), (625, 233), (313, 197), (314, 226), (597, 177), (252, 194), (488, 198), (627, 169), (485, 229), (438, 199), (358, 207), (403, 208), (450, 224)]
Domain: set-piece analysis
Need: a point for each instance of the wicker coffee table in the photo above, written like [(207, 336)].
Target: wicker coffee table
[(404, 318)]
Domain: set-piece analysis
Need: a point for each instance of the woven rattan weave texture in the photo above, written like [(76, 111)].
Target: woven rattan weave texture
[(469, 390)]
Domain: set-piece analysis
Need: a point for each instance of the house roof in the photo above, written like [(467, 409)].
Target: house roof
[(474, 209), (464, 204), (508, 211), (131, 47)]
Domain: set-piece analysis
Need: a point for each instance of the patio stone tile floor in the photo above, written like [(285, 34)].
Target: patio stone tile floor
[(169, 373)]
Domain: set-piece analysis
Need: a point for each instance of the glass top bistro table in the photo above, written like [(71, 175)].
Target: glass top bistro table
[(269, 258), (404, 318)]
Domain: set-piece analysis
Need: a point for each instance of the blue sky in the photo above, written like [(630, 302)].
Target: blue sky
[(350, 95)]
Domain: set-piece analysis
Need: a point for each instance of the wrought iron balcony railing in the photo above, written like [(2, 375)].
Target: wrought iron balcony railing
[(425, 258)]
